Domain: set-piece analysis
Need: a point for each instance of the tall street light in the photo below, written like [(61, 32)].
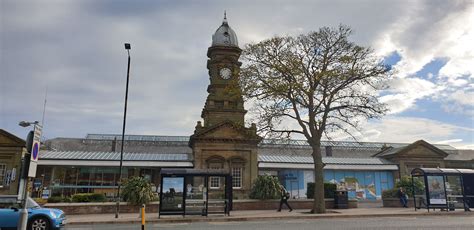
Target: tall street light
[(117, 210)]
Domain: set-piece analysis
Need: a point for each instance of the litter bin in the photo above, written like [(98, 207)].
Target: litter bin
[(341, 199)]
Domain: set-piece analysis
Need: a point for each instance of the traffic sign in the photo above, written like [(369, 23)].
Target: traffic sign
[(35, 148)]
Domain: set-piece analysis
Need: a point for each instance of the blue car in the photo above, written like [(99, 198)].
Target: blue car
[(38, 218)]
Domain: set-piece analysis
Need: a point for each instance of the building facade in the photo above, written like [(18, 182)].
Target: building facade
[(220, 141), (12, 149)]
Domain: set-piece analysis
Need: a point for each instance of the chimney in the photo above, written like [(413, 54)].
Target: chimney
[(114, 143), (329, 151)]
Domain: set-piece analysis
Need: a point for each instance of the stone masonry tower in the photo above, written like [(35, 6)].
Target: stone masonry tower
[(223, 141)]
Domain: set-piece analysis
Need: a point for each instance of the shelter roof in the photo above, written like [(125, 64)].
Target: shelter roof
[(427, 171)]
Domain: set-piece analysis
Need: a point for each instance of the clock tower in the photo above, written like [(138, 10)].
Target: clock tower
[(224, 101), (222, 141)]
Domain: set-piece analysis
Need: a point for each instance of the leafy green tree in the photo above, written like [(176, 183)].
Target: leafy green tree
[(313, 85), (137, 191), (265, 187)]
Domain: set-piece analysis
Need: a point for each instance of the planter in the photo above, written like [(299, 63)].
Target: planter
[(395, 203)]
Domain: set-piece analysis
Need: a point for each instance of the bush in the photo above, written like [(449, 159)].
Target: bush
[(329, 189), (265, 187), (391, 193), (88, 197), (55, 199), (137, 191), (406, 183), (40, 201)]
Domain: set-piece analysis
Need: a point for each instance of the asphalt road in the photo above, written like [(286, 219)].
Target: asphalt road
[(385, 223)]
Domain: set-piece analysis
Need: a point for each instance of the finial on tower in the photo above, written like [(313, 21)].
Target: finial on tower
[(225, 18)]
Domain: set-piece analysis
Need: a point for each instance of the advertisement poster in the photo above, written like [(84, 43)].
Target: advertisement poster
[(172, 197), (436, 190)]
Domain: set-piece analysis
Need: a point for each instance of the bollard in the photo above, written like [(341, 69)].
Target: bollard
[(143, 217)]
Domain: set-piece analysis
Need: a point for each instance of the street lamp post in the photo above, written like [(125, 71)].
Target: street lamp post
[(23, 191), (117, 209)]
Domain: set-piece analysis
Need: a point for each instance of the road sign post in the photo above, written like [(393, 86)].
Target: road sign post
[(35, 147), (30, 162)]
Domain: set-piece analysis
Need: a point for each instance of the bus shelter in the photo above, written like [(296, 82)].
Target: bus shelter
[(195, 192), (443, 188)]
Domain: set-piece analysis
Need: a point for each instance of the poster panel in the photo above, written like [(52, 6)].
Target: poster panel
[(172, 197), (437, 192)]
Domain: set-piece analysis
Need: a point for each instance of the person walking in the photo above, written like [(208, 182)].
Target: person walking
[(403, 197), (284, 199)]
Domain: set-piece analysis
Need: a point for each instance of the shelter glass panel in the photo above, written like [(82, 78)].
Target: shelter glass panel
[(196, 195)]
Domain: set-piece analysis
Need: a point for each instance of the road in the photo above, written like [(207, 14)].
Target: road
[(385, 223)]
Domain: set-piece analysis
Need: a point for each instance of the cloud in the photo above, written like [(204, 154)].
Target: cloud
[(406, 91), (75, 49), (410, 129)]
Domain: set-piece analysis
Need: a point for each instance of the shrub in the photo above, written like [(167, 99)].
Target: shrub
[(390, 193), (40, 201), (406, 183), (55, 199), (329, 189), (265, 187), (88, 197), (137, 191)]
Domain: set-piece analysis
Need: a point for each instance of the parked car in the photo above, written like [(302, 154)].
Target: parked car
[(38, 218)]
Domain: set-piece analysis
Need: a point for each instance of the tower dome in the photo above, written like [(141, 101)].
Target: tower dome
[(224, 35)]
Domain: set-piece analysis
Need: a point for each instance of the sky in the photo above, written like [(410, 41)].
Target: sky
[(73, 51)]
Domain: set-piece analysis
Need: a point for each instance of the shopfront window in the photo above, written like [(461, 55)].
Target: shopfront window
[(70, 176)]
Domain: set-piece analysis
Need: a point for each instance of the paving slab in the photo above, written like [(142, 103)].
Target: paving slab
[(255, 215)]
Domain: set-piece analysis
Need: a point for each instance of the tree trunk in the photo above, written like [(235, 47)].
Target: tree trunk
[(319, 205)]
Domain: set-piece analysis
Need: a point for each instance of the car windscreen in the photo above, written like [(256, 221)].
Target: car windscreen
[(30, 203)]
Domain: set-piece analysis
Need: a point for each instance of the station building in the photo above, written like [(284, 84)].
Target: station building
[(223, 141)]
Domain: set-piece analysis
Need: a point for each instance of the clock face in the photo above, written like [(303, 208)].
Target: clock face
[(225, 73)]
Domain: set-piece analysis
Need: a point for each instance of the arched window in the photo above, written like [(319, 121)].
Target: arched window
[(215, 162)]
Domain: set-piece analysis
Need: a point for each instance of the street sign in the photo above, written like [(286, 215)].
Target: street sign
[(35, 150)]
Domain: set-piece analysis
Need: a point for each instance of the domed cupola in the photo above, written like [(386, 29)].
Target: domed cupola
[(224, 35)]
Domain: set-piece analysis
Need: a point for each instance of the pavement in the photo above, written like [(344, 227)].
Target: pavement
[(259, 215)]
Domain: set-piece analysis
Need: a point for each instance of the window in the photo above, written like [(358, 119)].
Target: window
[(236, 177), (215, 162), (215, 182), (3, 168)]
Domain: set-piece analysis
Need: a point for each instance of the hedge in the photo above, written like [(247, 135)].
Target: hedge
[(88, 197), (329, 189)]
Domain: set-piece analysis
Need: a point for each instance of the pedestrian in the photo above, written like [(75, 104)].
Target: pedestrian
[(284, 198), (403, 197)]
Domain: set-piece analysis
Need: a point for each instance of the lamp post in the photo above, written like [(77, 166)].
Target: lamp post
[(117, 209), (23, 191)]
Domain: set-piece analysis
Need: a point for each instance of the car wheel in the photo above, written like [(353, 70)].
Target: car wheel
[(39, 223)]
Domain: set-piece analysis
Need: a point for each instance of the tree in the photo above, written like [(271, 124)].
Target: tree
[(321, 81), (137, 191)]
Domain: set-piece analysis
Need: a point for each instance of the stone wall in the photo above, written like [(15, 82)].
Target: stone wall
[(395, 203), (238, 205)]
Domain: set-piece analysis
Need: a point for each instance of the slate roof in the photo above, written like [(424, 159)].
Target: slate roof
[(461, 155), (113, 156), (104, 145), (326, 160)]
